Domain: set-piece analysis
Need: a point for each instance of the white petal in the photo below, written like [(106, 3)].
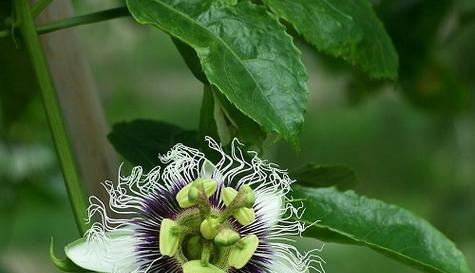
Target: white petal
[(269, 205), (115, 253)]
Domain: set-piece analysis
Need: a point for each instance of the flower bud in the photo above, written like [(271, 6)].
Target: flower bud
[(195, 266), (209, 228), (226, 237), (168, 239), (243, 251)]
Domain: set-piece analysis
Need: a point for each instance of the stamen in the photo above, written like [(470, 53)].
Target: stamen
[(195, 266), (209, 228), (243, 251), (239, 204), (169, 240), (196, 192), (227, 237)]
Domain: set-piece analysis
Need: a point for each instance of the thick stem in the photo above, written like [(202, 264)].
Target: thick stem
[(53, 112)]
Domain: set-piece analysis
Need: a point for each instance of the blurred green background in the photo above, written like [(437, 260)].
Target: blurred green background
[(411, 143)]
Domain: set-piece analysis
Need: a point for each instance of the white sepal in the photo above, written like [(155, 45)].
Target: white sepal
[(114, 253)]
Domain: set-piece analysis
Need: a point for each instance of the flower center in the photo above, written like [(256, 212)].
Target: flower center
[(190, 246), (202, 238)]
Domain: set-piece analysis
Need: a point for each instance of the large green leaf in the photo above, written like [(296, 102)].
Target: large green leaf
[(386, 228), (318, 176), (244, 51), (343, 28), (141, 141)]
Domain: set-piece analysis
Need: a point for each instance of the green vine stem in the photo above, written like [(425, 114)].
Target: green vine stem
[(53, 112), (84, 19), (91, 18)]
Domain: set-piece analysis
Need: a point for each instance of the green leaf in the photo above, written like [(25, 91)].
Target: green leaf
[(313, 175), (191, 60), (342, 28), (425, 78), (208, 126), (386, 228), (244, 51), (141, 141), (238, 124)]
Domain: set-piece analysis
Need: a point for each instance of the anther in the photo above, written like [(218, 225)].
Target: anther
[(243, 251), (195, 266), (202, 188), (226, 237), (209, 228), (195, 192), (169, 240), (239, 204)]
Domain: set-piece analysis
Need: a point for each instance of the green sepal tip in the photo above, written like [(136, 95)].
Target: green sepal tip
[(65, 265)]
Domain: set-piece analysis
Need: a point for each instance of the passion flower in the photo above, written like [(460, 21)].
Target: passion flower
[(195, 216)]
